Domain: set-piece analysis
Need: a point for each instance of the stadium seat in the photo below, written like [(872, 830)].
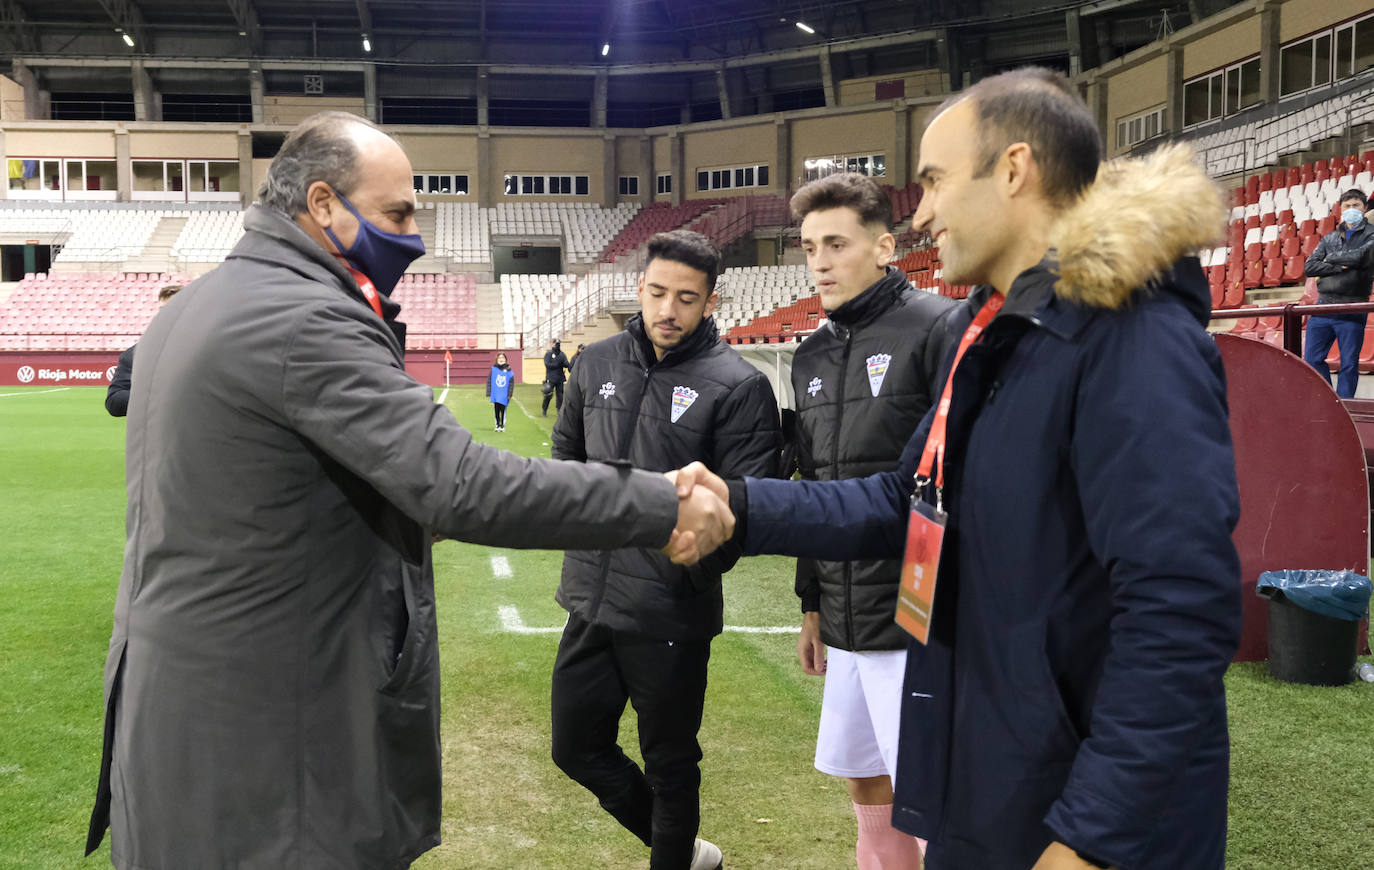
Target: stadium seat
[(1273, 272), (1254, 273), (1326, 225), (1293, 269)]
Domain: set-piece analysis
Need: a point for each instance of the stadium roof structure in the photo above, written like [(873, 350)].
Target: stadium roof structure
[(770, 54)]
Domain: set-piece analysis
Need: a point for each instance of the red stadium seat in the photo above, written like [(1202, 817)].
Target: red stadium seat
[(1290, 247), (1254, 253), (1268, 219), (1326, 225), (1293, 269), (1294, 176), (1254, 274), (1305, 174), (1252, 222), (1273, 272), (1286, 217), (1218, 294), (1307, 227)]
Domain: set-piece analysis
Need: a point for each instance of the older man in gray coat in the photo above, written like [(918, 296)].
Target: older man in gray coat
[(272, 686)]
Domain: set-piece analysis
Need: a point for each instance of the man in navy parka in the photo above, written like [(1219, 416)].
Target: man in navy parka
[(1068, 711)]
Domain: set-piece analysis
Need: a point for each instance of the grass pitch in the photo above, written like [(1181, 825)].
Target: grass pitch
[(1302, 790)]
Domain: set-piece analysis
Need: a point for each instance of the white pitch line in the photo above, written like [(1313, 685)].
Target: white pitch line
[(764, 629), (33, 392), (500, 566), (443, 395), (511, 622)]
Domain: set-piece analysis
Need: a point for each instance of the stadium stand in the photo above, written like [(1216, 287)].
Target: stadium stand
[(440, 311), (463, 232), (655, 218), (526, 299), (584, 228), (81, 310), (208, 236)]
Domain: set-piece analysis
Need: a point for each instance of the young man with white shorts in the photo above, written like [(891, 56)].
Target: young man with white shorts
[(862, 382)]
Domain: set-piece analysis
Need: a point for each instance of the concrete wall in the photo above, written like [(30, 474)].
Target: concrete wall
[(1223, 48)]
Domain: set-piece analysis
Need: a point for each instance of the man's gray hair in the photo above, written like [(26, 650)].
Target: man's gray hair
[(321, 148)]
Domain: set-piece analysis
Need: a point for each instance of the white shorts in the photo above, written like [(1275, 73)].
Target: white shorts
[(860, 712)]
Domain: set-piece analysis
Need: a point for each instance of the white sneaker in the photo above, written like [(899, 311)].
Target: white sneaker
[(705, 856)]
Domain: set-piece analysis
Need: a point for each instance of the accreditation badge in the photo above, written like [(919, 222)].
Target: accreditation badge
[(925, 532)]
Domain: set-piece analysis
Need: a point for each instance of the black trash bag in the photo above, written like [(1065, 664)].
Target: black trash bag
[(1337, 594)]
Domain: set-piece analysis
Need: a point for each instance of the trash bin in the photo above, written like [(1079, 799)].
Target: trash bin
[(1314, 617)]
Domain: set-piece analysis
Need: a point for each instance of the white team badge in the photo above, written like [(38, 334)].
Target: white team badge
[(683, 397), (877, 370), (607, 390), (814, 387)]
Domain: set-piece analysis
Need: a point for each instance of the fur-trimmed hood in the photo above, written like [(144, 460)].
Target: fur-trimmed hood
[(1134, 222)]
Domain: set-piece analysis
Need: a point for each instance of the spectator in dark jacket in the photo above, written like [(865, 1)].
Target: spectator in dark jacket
[(555, 361), (1343, 264), (1068, 709), (117, 396), (662, 393), (862, 382)]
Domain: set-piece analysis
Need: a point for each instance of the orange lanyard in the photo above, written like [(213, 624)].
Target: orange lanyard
[(935, 441), (365, 284)]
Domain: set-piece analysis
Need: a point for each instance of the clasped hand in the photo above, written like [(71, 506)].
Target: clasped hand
[(704, 520)]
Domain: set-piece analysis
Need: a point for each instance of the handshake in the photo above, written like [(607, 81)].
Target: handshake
[(704, 520)]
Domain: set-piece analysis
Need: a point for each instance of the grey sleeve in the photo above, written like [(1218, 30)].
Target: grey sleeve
[(343, 389)]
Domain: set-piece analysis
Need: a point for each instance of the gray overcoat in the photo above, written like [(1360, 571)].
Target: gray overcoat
[(272, 686)]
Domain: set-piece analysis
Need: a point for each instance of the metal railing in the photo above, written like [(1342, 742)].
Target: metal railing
[(1292, 314)]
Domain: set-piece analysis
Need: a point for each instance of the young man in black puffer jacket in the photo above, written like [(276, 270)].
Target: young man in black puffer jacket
[(862, 382), (661, 394)]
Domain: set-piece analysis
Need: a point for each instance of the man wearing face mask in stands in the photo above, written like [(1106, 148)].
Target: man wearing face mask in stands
[(1343, 264), (272, 681)]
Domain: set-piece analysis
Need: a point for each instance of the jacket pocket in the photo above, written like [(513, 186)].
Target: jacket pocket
[(402, 658)]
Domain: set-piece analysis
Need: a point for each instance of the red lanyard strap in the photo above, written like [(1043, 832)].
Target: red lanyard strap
[(365, 284), (935, 441)]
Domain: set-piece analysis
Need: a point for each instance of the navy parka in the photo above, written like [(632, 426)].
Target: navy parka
[(1088, 601)]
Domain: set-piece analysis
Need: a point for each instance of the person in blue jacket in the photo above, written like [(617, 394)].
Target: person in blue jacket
[(499, 385), (1068, 710)]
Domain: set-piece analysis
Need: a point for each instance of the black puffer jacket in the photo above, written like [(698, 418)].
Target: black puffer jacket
[(702, 401), (862, 384), (1344, 268)]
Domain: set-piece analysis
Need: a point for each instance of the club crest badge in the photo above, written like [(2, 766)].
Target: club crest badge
[(877, 370), (607, 390), (683, 397), (814, 387)]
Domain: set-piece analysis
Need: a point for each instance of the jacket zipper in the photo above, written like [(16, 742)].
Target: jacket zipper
[(622, 453), (847, 573)]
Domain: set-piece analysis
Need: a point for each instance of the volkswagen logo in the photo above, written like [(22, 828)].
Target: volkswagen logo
[(109, 373), (26, 374)]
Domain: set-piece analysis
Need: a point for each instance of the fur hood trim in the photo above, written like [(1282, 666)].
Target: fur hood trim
[(1134, 222)]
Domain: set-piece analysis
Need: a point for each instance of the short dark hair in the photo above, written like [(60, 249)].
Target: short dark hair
[(689, 249), (1037, 106), (1354, 193), (168, 292), (845, 190)]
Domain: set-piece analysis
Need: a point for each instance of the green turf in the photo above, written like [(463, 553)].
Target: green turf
[(1302, 769)]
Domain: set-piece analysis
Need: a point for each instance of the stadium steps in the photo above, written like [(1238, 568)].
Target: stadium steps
[(429, 264), (489, 308), (599, 327), (156, 255)]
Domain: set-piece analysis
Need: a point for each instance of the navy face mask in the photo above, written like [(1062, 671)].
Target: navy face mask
[(381, 256)]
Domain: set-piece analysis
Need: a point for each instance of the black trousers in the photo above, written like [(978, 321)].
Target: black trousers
[(500, 413), (557, 391), (597, 670)]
